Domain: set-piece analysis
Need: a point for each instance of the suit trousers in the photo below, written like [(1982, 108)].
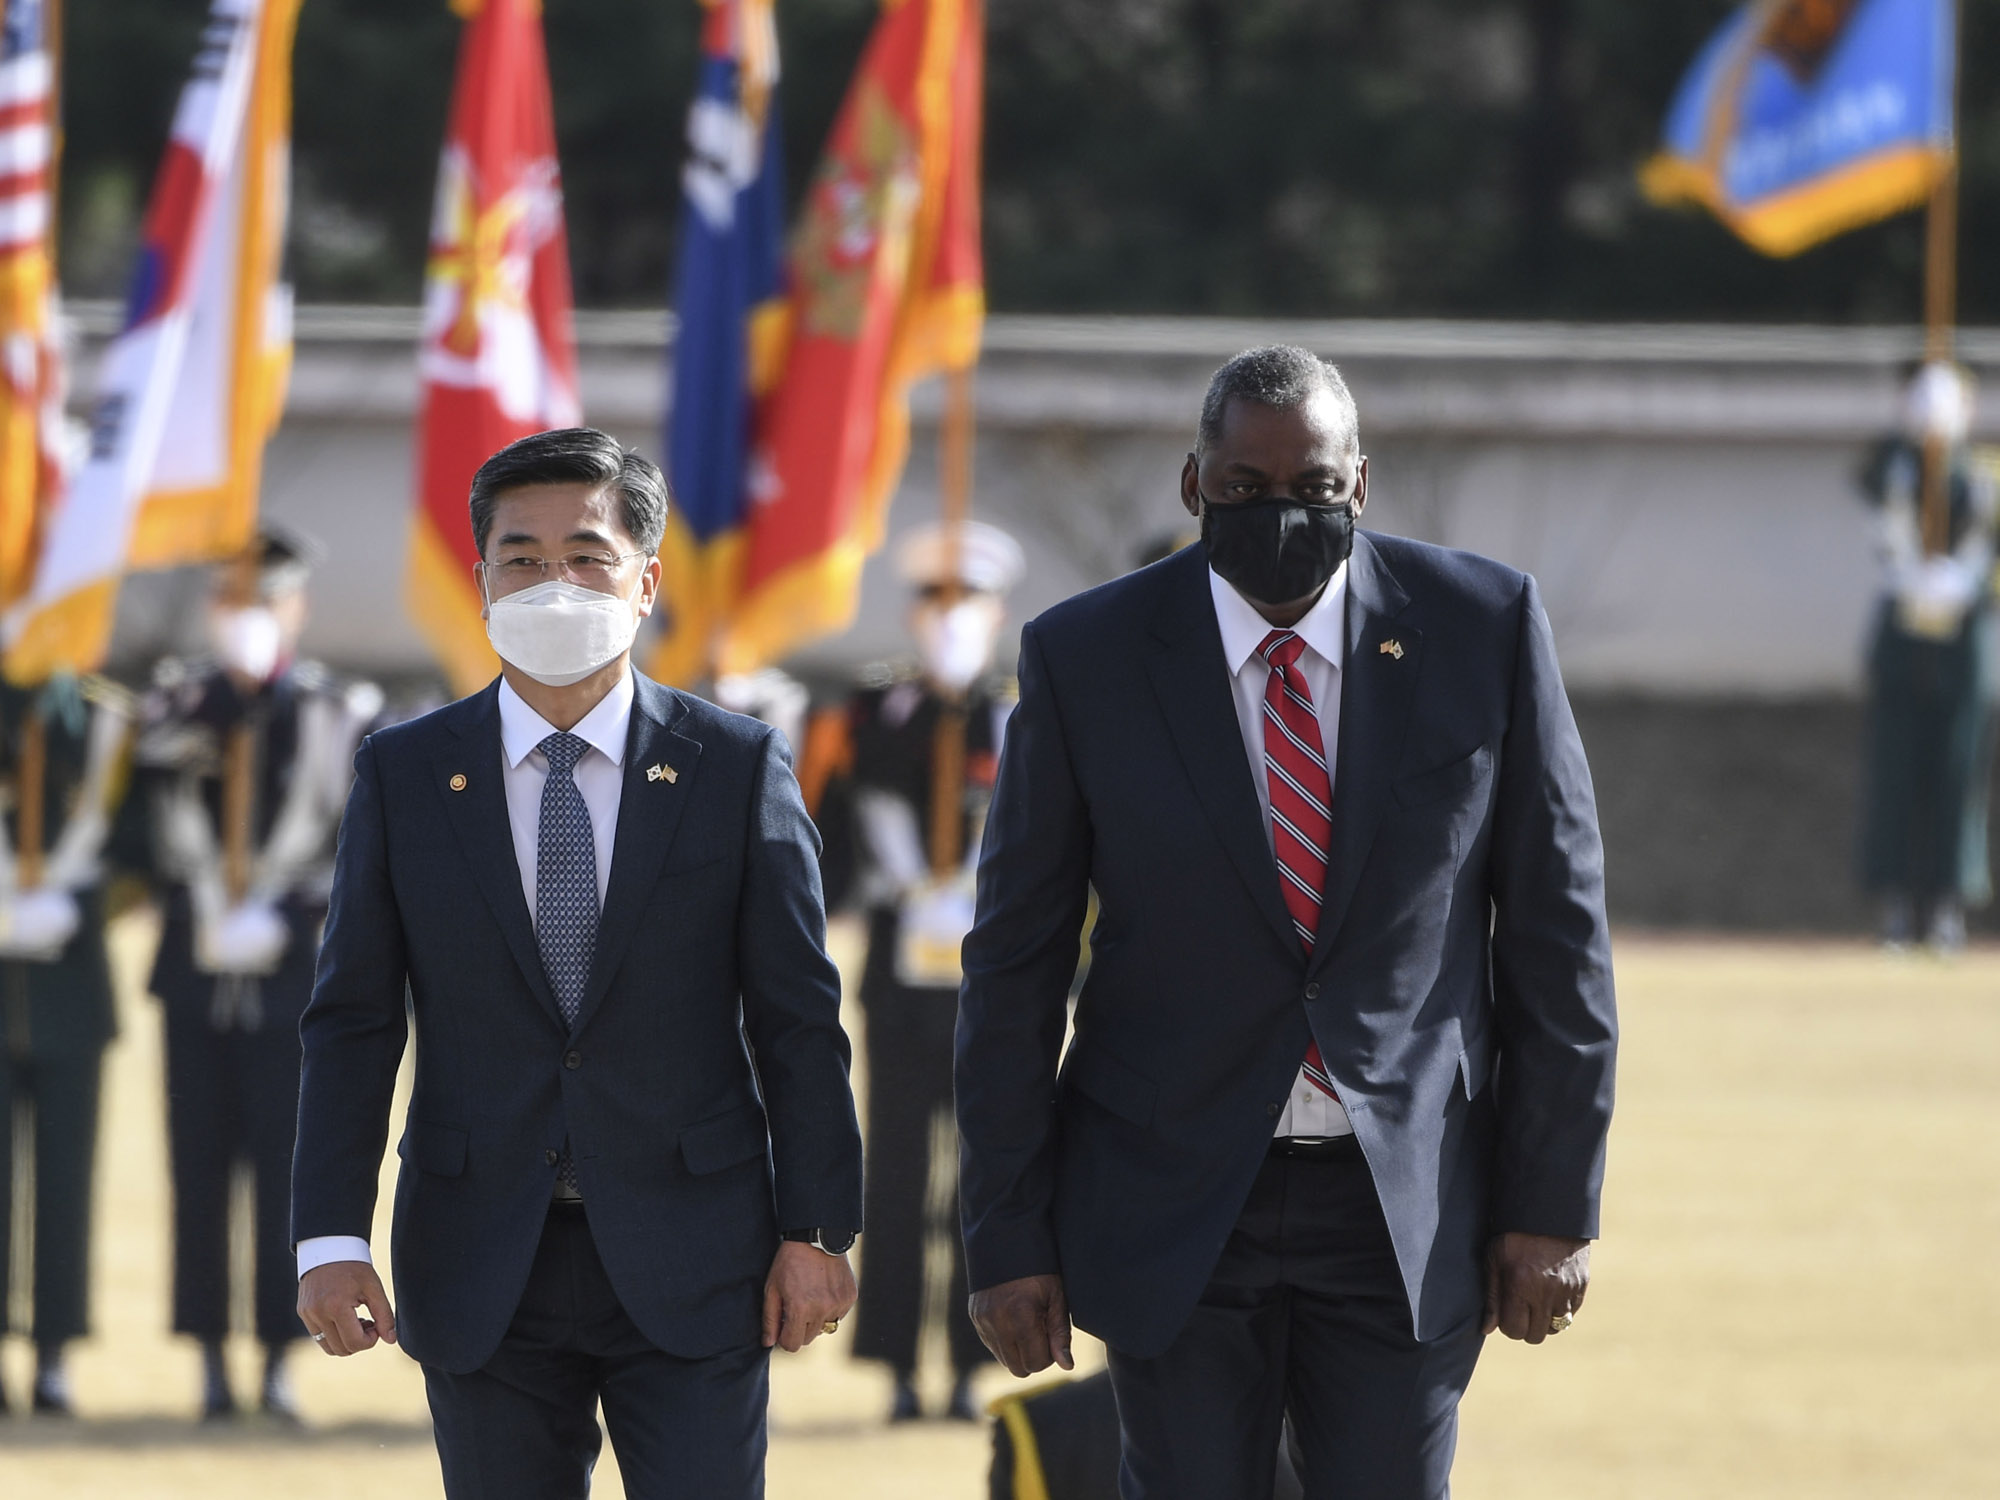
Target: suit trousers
[(56, 1099), (1305, 1315), (232, 1097), (525, 1423), (908, 1045)]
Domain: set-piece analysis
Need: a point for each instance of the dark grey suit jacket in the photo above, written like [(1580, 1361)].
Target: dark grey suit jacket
[(1460, 986), (704, 1090)]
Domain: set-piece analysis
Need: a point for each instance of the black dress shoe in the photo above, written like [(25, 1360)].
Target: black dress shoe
[(904, 1406), (963, 1408)]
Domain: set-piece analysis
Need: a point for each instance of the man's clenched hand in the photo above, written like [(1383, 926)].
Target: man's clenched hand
[(1533, 1280), (1025, 1323), (806, 1290), (328, 1297)]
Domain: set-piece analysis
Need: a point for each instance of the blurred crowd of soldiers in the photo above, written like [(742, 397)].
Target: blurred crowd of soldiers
[(214, 793)]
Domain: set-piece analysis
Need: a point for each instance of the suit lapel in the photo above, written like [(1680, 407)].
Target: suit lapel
[(1191, 680), (1377, 690), (470, 779), (649, 815)]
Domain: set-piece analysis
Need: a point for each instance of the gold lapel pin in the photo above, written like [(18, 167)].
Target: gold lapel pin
[(1392, 648), (664, 773), (458, 782)]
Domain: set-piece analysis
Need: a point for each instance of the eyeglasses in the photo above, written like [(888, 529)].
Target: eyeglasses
[(593, 570)]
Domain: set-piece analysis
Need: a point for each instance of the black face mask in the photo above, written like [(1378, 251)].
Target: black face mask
[(1277, 551)]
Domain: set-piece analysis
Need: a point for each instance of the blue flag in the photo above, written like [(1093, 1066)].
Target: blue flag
[(729, 297), (1802, 119)]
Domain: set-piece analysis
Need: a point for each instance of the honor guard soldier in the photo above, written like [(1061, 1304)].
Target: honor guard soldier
[(64, 754), (245, 759), (906, 771), (1931, 669)]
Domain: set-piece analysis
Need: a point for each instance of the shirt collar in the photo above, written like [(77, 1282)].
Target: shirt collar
[(1323, 629), (603, 728)]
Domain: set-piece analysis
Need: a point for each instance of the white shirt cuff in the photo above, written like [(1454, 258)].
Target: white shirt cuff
[(324, 1249)]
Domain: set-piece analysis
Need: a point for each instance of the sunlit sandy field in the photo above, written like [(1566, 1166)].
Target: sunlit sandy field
[(1798, 1294)]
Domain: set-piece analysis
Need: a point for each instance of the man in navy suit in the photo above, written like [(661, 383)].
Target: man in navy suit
[(631, 1164), (1336, 1102)]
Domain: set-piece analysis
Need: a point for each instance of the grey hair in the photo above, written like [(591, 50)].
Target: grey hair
[(1278, 375), (575, 455)]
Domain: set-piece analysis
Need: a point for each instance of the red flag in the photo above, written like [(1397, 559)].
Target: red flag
[(499, 345), (886, 287)]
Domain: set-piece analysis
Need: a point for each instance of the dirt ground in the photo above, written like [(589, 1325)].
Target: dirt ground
[(1795, 1296)]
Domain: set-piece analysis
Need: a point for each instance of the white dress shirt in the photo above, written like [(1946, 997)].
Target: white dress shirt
[(599, 776), (1324, 630)]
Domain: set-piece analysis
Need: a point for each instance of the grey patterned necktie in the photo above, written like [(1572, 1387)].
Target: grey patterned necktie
[(565, 878), (566, 896)]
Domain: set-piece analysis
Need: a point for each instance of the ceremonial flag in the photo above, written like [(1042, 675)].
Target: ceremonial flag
[(499, 344), (33, 436), (885, 286), (192, 388), (1802, 119), (732, 320)]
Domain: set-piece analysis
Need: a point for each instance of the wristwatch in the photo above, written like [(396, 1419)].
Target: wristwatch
[(826, 1241)]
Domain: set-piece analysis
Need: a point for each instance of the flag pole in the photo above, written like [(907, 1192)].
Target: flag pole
[(955, 509), (1941, 306)]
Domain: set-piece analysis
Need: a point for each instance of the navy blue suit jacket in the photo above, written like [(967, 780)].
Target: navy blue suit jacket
[(704, 1090), (1460, 985)]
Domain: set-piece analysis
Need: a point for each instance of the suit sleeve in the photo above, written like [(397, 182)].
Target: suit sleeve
[(353, 1030), (791, 1007), (1552, 987), (1034, 879)]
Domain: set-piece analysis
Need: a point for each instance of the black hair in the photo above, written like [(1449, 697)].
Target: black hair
[(575, 455), (1278, 375)]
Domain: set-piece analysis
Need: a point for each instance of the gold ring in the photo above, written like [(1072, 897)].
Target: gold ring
[(1560, 1321), (831, 1325)]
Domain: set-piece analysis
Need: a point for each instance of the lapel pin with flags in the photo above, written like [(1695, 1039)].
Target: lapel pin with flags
[(664, 773), (1391, 648)]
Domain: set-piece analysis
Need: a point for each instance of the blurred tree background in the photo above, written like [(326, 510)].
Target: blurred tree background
[(1322, 158)]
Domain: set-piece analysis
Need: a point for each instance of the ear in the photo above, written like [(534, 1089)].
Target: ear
[(1191, 486), (1361, 485), (479, 587), (649, 586)]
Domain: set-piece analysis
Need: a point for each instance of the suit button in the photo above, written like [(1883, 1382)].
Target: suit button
[(550, 1157), (572, 1059), (1274, 1110), (1312, 992)]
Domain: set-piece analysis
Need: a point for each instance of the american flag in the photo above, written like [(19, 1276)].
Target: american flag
[(33, 430)]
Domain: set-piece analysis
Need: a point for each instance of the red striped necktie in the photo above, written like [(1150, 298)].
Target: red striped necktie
[(1301, 800)]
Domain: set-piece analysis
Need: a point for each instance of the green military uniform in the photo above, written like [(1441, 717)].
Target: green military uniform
[(56, 1009), (1931, 666), (232, 1032)]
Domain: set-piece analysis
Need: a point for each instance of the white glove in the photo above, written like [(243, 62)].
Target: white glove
[(246, 939), (1935, 598), (38, 924)]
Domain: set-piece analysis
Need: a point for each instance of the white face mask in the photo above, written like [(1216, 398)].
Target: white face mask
[(560, 632), (248, 639), (956, 644)]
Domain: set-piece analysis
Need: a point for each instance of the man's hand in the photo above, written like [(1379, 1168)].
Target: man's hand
[(1025, 1323), (807, 1289), (1532, 1281), (328, 1296)]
